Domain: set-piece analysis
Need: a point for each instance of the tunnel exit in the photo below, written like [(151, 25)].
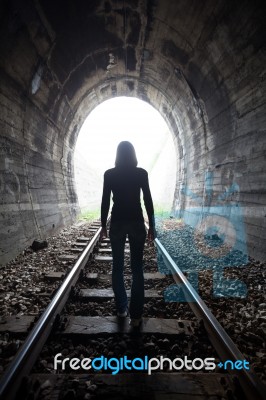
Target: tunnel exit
[(115, 120)]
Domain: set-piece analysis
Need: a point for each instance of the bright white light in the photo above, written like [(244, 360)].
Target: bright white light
[(118, 119), (113, 121)]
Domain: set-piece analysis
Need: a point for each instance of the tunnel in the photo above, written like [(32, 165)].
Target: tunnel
[(201, 64)]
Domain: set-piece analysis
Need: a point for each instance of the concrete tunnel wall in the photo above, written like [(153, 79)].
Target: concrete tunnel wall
[(201, 64)]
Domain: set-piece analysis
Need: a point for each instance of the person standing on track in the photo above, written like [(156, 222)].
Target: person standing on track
[(125, 181)]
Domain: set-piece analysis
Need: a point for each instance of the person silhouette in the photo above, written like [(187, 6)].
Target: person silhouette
[(125, 181)]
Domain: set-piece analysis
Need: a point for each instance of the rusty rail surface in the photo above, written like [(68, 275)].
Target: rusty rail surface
[(24, 360), (29, 351), (252, 387)]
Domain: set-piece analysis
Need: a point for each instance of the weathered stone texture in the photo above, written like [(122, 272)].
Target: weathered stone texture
[(201, 64)]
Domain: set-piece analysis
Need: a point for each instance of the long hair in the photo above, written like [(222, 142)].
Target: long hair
[(126, 155)]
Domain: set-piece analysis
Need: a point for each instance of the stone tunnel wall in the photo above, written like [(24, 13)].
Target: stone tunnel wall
[(200, 64), (34, 201)]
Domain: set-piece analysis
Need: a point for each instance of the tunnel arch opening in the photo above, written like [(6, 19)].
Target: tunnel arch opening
[(115, 88), (114, 120)]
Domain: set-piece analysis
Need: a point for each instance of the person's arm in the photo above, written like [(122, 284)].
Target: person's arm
[(149, 206), (105, 205)]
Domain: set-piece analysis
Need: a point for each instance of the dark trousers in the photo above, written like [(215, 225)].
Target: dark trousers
[(136, 235)]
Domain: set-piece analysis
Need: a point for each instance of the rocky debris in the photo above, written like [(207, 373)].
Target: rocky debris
[(39, 245), (24, 290), (242, 314)]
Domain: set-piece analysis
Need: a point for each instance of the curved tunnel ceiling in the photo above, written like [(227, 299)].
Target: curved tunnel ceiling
[(201, 64)]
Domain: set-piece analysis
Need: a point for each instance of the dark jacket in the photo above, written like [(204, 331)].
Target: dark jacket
[(125, 183)]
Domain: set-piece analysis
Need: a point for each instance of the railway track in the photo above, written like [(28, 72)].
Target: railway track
[(157, 337)]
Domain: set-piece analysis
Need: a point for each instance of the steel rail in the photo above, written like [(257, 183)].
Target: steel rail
[(251, 385), (24, 360)]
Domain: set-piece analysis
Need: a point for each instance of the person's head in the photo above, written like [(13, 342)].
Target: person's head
[(125, 155)]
